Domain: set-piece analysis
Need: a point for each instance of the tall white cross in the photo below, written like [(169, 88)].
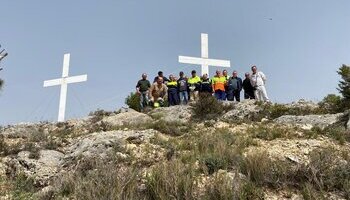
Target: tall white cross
[(64, 81), (204, 60)]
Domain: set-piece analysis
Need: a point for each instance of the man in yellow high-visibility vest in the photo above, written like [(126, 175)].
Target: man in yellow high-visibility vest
[(194, 85)]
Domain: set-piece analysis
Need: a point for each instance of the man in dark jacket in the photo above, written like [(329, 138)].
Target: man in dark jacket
[(234, 87), (173, 94), (248, 88), (160, 74), (142, 88), (206, 85)]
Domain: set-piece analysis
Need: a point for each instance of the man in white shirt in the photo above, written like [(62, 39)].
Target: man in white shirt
[(258, 80)]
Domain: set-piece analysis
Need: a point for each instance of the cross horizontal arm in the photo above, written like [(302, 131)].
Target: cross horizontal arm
[(76, 79), (53, 82), (204, 61)]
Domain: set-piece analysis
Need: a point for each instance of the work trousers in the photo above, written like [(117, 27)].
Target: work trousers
[(261, 94)]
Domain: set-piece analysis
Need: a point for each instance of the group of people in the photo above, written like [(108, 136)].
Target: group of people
[(185, 89)]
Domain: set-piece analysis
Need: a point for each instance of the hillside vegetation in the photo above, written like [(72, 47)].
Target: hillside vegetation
[(209, 150)]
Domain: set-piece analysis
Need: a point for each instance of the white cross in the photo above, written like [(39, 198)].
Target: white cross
[(204, 60), (64, 81)]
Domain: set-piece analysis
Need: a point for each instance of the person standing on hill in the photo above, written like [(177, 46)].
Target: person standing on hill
[(248, 88), (194, 85), (142, 88), (183, 88), (258, 81), (173, 95), (218, 84), (160, 74), (158, 92), (227, 77), (206, 86), (234, 86)]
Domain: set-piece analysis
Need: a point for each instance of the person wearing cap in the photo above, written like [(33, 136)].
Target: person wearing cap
[(160, 74), (173, 95), (248, 88), (234, 87), (142, 88), (183, 88), (258, 81), (227, 77), (218, 84), (194, 84), (158, 92), (206, 86)]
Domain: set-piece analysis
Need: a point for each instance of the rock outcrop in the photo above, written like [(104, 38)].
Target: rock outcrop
[(310, 121)]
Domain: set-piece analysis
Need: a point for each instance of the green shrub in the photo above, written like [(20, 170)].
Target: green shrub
[(273, 111), (207, 107), (219, 150), (133, 101), (332, 104), (336, 132), (23, 187), (170, 128), (344, 84), (271, 131), (1, 83)]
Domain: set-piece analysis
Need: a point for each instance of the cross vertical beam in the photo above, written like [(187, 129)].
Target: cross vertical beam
[(204, 60)]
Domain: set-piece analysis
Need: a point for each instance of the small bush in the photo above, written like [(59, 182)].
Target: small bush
[(1, 83), (133, 101), (23, 187), (338, 133), (273, 111), (332, 104), (219, 150), (207, 107), (100, 112), (271, 132), (170, 128)]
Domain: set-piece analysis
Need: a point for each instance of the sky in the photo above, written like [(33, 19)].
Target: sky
[(115, 41)]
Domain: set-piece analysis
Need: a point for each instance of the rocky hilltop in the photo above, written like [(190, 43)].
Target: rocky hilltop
[(244, 150)]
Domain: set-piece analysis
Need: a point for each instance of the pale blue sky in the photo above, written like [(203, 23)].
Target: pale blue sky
[(299, 50)]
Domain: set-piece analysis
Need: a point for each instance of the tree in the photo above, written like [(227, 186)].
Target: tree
[(344, 84), (133, 101)]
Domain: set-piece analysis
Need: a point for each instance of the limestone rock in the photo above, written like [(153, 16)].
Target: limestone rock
[(303, 104), (128, 117), (309, 121), (171, 114), (99, 144), (242, 110), (42, 170)]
